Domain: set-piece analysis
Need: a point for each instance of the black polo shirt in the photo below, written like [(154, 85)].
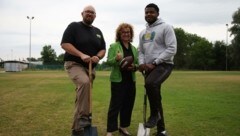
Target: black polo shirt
[(88, 40)]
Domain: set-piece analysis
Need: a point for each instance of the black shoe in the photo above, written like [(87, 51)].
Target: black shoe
[(78, 133), (122, 133), (152, 121), (163, 133)]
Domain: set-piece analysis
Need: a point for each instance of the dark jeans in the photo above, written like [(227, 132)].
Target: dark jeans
[(122, 102), (153, 82)]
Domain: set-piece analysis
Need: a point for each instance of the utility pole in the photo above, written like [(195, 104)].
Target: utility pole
[(30, 35), (226, 47)]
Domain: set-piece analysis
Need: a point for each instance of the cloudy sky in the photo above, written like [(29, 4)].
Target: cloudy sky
[(206, 18)]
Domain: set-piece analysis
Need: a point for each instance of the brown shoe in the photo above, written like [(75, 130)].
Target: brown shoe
[(124, 133)]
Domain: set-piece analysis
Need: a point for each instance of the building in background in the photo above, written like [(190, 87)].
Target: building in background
[(14, 66)]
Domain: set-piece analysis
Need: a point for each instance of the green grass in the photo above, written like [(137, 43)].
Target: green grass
[(40, 103)]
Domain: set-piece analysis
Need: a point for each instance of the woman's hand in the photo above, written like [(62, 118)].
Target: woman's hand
[(118, 56)]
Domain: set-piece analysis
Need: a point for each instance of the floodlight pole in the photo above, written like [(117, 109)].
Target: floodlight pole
[(226, 45), (30, 35)]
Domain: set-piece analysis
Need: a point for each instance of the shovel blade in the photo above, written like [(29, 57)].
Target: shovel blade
[(90, 131), (142, 131)]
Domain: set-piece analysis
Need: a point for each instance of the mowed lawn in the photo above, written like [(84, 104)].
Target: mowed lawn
[(196, 103)]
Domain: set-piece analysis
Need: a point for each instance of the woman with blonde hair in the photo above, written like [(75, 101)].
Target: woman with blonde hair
[(123, 81)]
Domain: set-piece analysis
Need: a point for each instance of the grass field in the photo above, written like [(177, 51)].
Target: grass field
[(40, 103)]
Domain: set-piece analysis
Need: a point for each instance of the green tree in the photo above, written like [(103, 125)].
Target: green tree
[(200, 53), (180, 59), (31, 59), (48, 55), (219, 55), (60, 58), (235, 47)]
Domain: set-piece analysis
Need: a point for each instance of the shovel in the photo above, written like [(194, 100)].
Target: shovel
[(90, 130), (142, 130)]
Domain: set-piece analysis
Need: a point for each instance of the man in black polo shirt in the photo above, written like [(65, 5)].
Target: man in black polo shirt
[(82, 42)]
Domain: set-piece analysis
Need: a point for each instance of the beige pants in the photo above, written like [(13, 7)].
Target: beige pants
[(79, 76)]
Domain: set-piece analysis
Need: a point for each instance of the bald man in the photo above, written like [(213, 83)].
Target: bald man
[(82, 42)]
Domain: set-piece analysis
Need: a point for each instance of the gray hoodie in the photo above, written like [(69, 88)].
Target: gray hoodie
[(157, 43)]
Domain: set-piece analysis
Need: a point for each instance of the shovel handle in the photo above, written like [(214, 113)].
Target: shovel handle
[(90, 89), (145, 99)]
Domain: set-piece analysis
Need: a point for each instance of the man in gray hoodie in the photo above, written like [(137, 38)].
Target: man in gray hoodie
[(157, 47)]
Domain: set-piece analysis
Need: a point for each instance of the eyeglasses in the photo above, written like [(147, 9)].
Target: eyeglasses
[(90, 12), (125, 32)]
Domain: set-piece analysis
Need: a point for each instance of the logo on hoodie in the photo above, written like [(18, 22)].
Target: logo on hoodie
[(148, 36)]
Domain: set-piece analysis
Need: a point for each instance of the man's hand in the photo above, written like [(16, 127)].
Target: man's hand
[(146, 67), (95, 59), (149, 67), (141, 67), (85, 58)]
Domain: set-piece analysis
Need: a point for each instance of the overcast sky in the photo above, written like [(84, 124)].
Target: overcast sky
[(206, 18)]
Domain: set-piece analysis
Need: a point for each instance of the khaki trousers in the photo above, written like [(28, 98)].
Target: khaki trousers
[(79, 76)]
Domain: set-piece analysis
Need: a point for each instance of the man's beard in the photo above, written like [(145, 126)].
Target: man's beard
[(150, 20), (88, 22)]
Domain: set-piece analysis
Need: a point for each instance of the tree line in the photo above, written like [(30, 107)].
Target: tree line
[(193, 52)]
